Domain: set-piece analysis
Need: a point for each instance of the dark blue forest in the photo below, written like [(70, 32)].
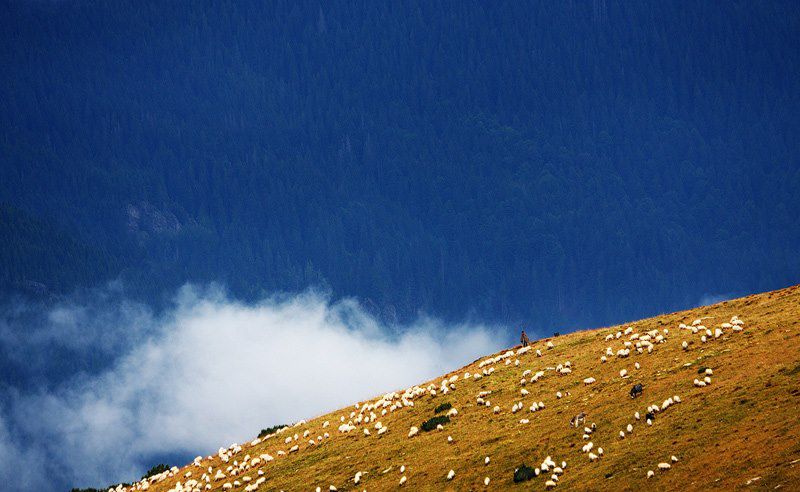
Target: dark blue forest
[(551, 164)]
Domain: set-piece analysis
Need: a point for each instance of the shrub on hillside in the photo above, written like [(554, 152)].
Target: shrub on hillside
[(431, 424), (443, 407), (523, 473), (270, 430), (159, 468)]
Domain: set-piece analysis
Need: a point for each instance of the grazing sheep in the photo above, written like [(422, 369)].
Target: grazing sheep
[(674, 459), (549, 484), (403, 480), (622, 434), (558, 394), (496, 409), (550, 345), (451, 474), (623, 373), (486, 481), (589, 380), (664, 466), (413, 431), (578, 420), (650, 473), (629, 428)]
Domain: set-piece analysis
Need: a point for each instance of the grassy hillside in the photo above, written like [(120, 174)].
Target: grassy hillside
[(725, 435)]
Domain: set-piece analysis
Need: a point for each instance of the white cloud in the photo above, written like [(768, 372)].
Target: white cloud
[(214, 371)]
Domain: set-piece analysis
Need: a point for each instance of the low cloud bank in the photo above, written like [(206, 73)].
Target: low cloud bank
[(206, 373)]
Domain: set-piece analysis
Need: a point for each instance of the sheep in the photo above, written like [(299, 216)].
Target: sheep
[(603, 359), (664, 466), (650, 473), (622, 434), (486, 460), (413, 431), (717, 333), (558, 394), (587, 447), (403, 480), (674, 459), (593, 457), (450, 439), (451, 474), (709, 371), (496, 409), (685, 345), (623, 373), (550, 345), (524, 392), (636, 415), (589, 381), (486, 481), (549, 484), (629, 428)]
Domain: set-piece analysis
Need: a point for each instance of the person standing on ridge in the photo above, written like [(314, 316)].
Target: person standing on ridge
[(524, 339)]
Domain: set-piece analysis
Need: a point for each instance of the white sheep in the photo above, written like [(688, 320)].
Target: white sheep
[(451, 474), (589, 380)]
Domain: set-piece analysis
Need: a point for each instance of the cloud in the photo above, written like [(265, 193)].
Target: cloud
[(709, 299), (208, 372)]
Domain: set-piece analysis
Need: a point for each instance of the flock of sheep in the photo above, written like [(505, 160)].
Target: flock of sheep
[(238, 469)]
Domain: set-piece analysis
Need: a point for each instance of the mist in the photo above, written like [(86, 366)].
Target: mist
[(206, 372)]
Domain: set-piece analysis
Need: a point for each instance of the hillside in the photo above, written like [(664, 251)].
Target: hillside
[(739, 430)]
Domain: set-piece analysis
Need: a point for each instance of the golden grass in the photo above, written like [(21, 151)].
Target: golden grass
[(744, 425)]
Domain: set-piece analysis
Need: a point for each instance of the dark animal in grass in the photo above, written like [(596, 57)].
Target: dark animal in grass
[(650, 416), (637, 390)]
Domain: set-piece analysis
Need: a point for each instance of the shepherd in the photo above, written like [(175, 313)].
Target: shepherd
[(524, 339)]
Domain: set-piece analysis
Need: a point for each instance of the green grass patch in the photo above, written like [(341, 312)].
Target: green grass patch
[(431, 424), (443, 407), (524, 473)]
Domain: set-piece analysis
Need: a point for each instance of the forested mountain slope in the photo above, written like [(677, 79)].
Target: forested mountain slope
[(559, 163)]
